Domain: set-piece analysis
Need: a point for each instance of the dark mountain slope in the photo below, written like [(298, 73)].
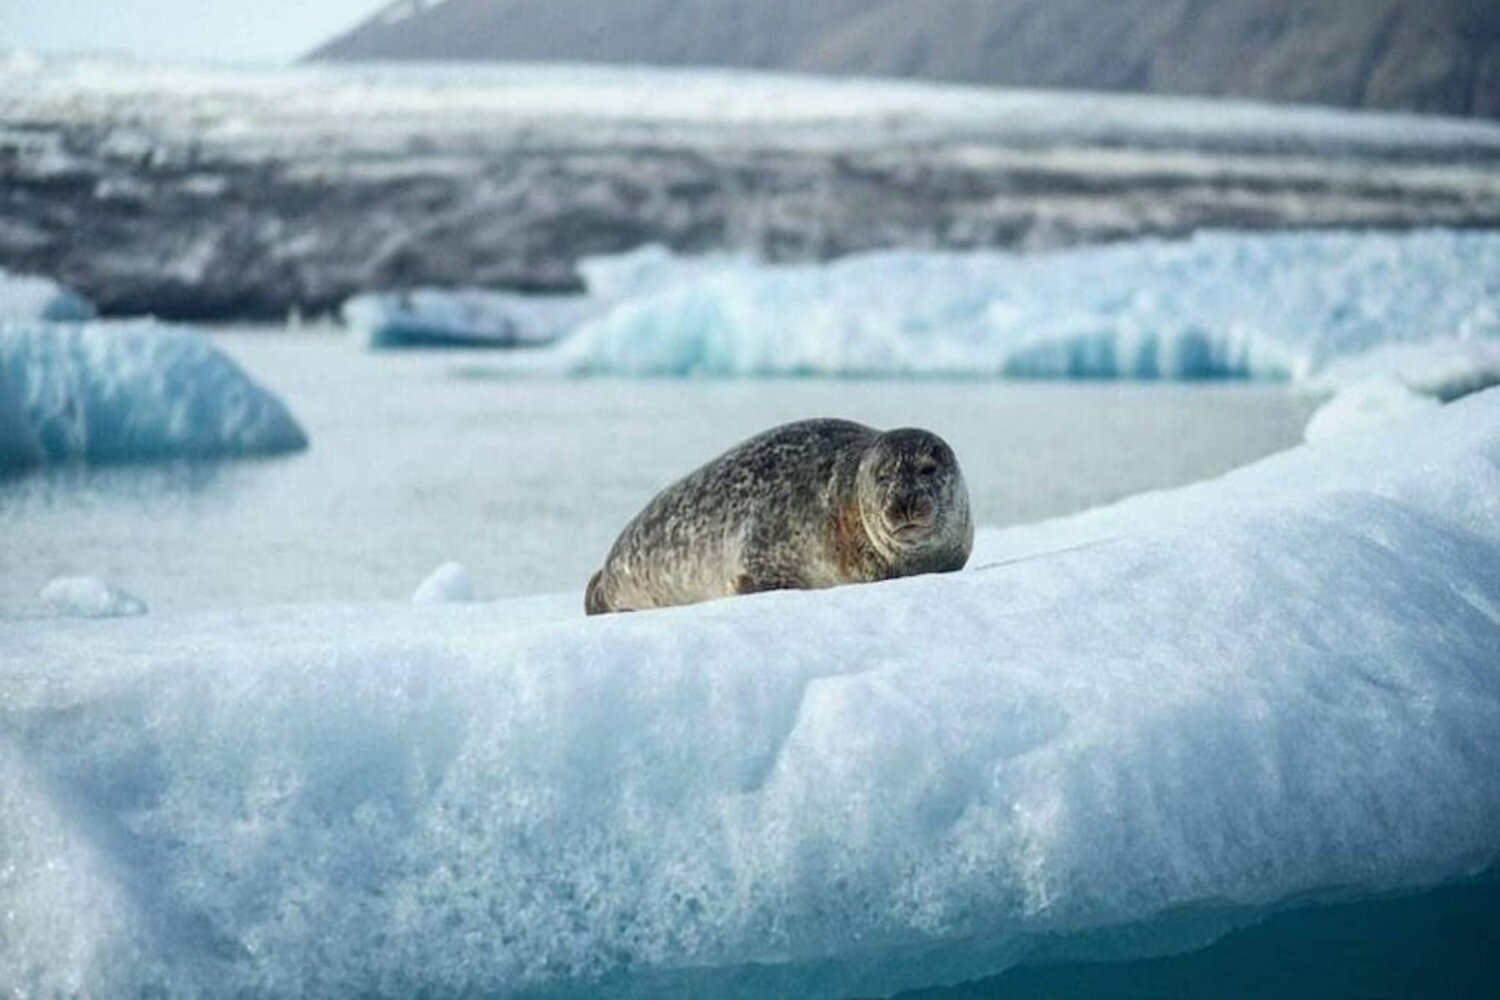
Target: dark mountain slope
[(1424, 55)]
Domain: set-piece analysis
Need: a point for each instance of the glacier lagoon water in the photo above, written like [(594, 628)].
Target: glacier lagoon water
[(415, 460)]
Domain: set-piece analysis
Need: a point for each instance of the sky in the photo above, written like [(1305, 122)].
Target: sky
[(218, 30)]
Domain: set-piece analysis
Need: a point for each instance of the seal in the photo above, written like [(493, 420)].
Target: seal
[(812, 504)]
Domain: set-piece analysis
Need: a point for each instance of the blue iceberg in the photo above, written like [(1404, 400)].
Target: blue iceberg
[(107, 392), (430, 317)]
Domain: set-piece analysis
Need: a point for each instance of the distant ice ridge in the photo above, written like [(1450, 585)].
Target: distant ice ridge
[(1117, 734), (125, 391), (25, 297), (1219, 305)]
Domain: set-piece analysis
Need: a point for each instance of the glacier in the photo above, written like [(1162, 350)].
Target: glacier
[(123, 391), (1218, 305), (1115, 734), (25, 297)]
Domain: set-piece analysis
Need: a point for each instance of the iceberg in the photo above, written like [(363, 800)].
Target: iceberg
[(1218, 305), (90, 597), (103, 392), (431, 317), (450, 583), (434, 317), (24, 297), (1365, 406), (1116, 734), (1394, 381)]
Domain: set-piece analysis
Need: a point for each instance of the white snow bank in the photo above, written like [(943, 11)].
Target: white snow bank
[(448, 584), (125, 391), (432, 317), (26, 297), (1240, 694), (1217, 305), (90, 597)]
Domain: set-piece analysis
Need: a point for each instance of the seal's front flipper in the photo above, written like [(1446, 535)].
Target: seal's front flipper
[(747, 584), (593, 598)]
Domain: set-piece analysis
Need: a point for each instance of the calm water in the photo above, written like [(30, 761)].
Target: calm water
[(527, 481)]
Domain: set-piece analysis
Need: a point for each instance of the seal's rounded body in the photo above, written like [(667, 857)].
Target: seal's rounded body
[(812, 504)]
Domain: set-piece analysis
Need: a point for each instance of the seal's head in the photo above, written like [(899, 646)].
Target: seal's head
[(913, 500)]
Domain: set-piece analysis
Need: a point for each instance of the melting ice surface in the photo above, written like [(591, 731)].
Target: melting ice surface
[(123, 391), (1217, 305), (1125, 730)]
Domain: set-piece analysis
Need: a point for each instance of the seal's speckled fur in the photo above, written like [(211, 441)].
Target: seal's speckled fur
[(811, 504)]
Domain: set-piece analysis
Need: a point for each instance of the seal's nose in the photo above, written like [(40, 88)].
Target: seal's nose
[(910, 511)]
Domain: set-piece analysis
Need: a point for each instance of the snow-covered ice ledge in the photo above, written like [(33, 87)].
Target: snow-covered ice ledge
[(1216, 700)]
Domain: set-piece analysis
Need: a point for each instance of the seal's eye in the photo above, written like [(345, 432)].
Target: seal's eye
[(927, 469)]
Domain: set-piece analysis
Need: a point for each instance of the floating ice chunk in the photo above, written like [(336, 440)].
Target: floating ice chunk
[(448, 584), (1219, 701), (90, 597), (1215, 306), (1396, 380), (432, 317), (24, 297), (1364, 406), (1445, 368), (128, 391), (464, 318)]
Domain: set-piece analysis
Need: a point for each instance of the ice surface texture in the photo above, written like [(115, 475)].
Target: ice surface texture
[(26, 297), (1218, 305), (1176, 713), (127, 391)]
